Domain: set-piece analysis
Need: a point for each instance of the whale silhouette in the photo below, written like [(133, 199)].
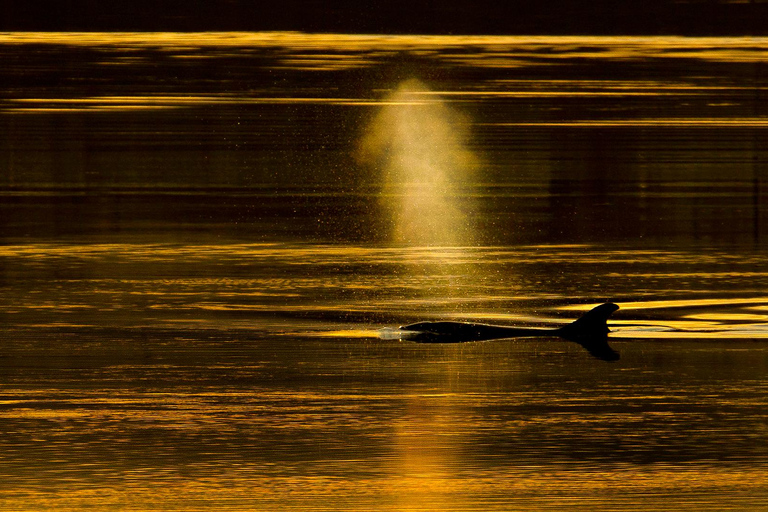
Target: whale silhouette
[(590, 331)]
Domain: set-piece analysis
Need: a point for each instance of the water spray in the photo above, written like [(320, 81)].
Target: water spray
[(418, 146)]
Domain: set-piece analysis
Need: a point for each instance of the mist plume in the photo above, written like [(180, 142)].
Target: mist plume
[(417, 145)]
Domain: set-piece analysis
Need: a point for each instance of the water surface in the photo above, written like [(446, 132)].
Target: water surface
[(202, 235)]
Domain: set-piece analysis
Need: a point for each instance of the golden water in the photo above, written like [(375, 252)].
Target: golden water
[(200, 241)]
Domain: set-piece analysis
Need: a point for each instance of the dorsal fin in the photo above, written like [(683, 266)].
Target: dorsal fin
[(591, 331), (593, 322)]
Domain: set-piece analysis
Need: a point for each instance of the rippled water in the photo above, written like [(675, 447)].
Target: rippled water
[(203, 234)]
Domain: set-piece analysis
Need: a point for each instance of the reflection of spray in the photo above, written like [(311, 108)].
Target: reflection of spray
[(417, 143)]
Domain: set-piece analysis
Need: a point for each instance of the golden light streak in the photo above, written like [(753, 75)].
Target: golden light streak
[(569, 84), (690, 332), (564, 93), (506, 318), (322, 52), (667, 44), (688, 303), (669, 304), (94, 108), (112, 103), (752, 122), (728, 317), (347, 333)]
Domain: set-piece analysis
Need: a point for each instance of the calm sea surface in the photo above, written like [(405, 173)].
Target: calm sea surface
[(203, 235)]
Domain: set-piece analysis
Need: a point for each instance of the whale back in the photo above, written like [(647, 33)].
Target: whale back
[(590, 331)]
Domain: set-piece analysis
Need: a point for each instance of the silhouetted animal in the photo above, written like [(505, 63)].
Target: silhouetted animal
[(590, 331)]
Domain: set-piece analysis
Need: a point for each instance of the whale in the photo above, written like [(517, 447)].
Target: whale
[(590, 331)]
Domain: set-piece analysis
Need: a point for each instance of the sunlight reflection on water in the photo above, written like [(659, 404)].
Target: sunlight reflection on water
[(366, 283), (194, 273)]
